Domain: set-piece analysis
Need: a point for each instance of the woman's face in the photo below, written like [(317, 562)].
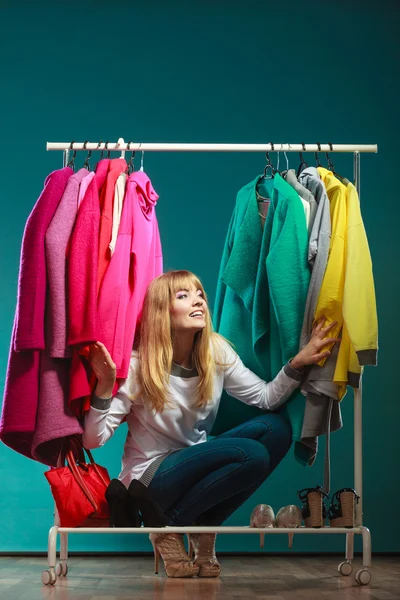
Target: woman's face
[(188, 310)]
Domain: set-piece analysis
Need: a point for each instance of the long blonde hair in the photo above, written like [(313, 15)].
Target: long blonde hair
[(156, 342)]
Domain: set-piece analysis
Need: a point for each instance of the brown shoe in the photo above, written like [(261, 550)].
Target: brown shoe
[(343, 508), (203, 546), (176, 561)]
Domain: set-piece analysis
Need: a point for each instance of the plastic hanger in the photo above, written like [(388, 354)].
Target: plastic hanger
[(130, 166), (331, 166), (269, 165), (317, 161), (86, 164), (303, 165), (102, 152), (71, 162)]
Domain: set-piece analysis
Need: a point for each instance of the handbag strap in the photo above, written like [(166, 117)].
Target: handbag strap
[(95, 466), (71, 443), (79, 479), (76, 452)]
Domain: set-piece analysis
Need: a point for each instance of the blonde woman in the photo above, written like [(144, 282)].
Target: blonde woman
[(170, 401)]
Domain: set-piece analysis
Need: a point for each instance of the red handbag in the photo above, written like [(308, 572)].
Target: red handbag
[(79, 488)]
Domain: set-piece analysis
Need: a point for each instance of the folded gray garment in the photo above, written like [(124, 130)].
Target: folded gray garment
[(322, 415), (320, 379)]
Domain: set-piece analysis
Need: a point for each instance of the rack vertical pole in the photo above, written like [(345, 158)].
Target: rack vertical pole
[(358, 461), (65, 158)]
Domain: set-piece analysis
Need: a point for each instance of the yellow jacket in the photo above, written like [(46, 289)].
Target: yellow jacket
[(330, 299), (359, 345), (347, 293)]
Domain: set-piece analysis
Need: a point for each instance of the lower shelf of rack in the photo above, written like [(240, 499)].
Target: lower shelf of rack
[(222, 529)]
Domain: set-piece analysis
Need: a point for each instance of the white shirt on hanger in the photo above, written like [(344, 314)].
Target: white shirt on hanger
[(119, 193)]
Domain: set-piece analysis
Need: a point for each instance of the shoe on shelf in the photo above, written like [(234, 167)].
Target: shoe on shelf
[(262, 516), (343, 508), (176, 562), (290, 517), (313, 510)]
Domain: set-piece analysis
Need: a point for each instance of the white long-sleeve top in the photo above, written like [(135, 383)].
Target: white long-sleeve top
[(152, 436)]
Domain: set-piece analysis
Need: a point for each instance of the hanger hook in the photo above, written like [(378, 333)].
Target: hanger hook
[(287, 159), (104, 149), (330, 163), (86, 164), (303, 162), (269, 164), (279, 158), (71, 162), (318, 163), (98, 148), (130, 166)]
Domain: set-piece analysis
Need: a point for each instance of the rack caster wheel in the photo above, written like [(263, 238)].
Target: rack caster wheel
[(345, 568), (363, 577), (49, 577), (61, 569)]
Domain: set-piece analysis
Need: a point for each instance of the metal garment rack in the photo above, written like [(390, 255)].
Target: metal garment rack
[(363, 575)]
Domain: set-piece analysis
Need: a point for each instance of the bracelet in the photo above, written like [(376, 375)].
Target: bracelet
[(100, 403)]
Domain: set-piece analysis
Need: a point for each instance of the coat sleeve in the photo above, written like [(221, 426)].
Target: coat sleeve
[(221, 286), (359, 303), (82, 270), (330, 300), (289, 276)]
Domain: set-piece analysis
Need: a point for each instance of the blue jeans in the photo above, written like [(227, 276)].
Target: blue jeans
[(205, 483)]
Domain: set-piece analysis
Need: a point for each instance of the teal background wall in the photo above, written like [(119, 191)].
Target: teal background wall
[(208, 72)]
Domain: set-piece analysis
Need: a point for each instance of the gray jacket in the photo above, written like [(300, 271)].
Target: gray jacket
[(318, 246), (303, 192), (322, 412)]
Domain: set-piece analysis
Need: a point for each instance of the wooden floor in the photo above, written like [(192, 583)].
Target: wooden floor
[(244, 578)]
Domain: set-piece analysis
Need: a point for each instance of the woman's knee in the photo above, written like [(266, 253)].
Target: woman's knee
[(254, 454), (277, 431)]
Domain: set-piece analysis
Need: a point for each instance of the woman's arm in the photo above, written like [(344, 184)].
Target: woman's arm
[(103, 418), (246, 386), (106, 413)]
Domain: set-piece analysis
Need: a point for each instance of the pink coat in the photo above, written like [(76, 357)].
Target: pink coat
[(18, 418), (82, 266), (137, 259), (29, 316), (54, 419), (82, 284), (56, 242)]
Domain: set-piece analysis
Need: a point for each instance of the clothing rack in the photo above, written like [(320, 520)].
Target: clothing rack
[(363, 575)]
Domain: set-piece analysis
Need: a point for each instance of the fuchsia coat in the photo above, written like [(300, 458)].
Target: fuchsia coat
[(137, 259), (18, 419)]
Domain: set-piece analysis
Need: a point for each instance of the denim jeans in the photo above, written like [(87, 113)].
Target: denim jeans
[(205, 483)]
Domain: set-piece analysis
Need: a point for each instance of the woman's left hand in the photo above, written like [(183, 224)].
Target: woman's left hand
[(313, 352)]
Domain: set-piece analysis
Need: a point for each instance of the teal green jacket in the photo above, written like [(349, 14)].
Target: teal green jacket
[(261, 294)]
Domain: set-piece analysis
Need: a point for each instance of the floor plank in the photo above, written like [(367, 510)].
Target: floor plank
[(242, 577)]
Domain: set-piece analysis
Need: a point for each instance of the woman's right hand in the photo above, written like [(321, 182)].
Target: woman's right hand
[(104, 368)]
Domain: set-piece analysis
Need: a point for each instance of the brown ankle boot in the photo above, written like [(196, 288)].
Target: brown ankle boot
[(176, 561), (203, 545)]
